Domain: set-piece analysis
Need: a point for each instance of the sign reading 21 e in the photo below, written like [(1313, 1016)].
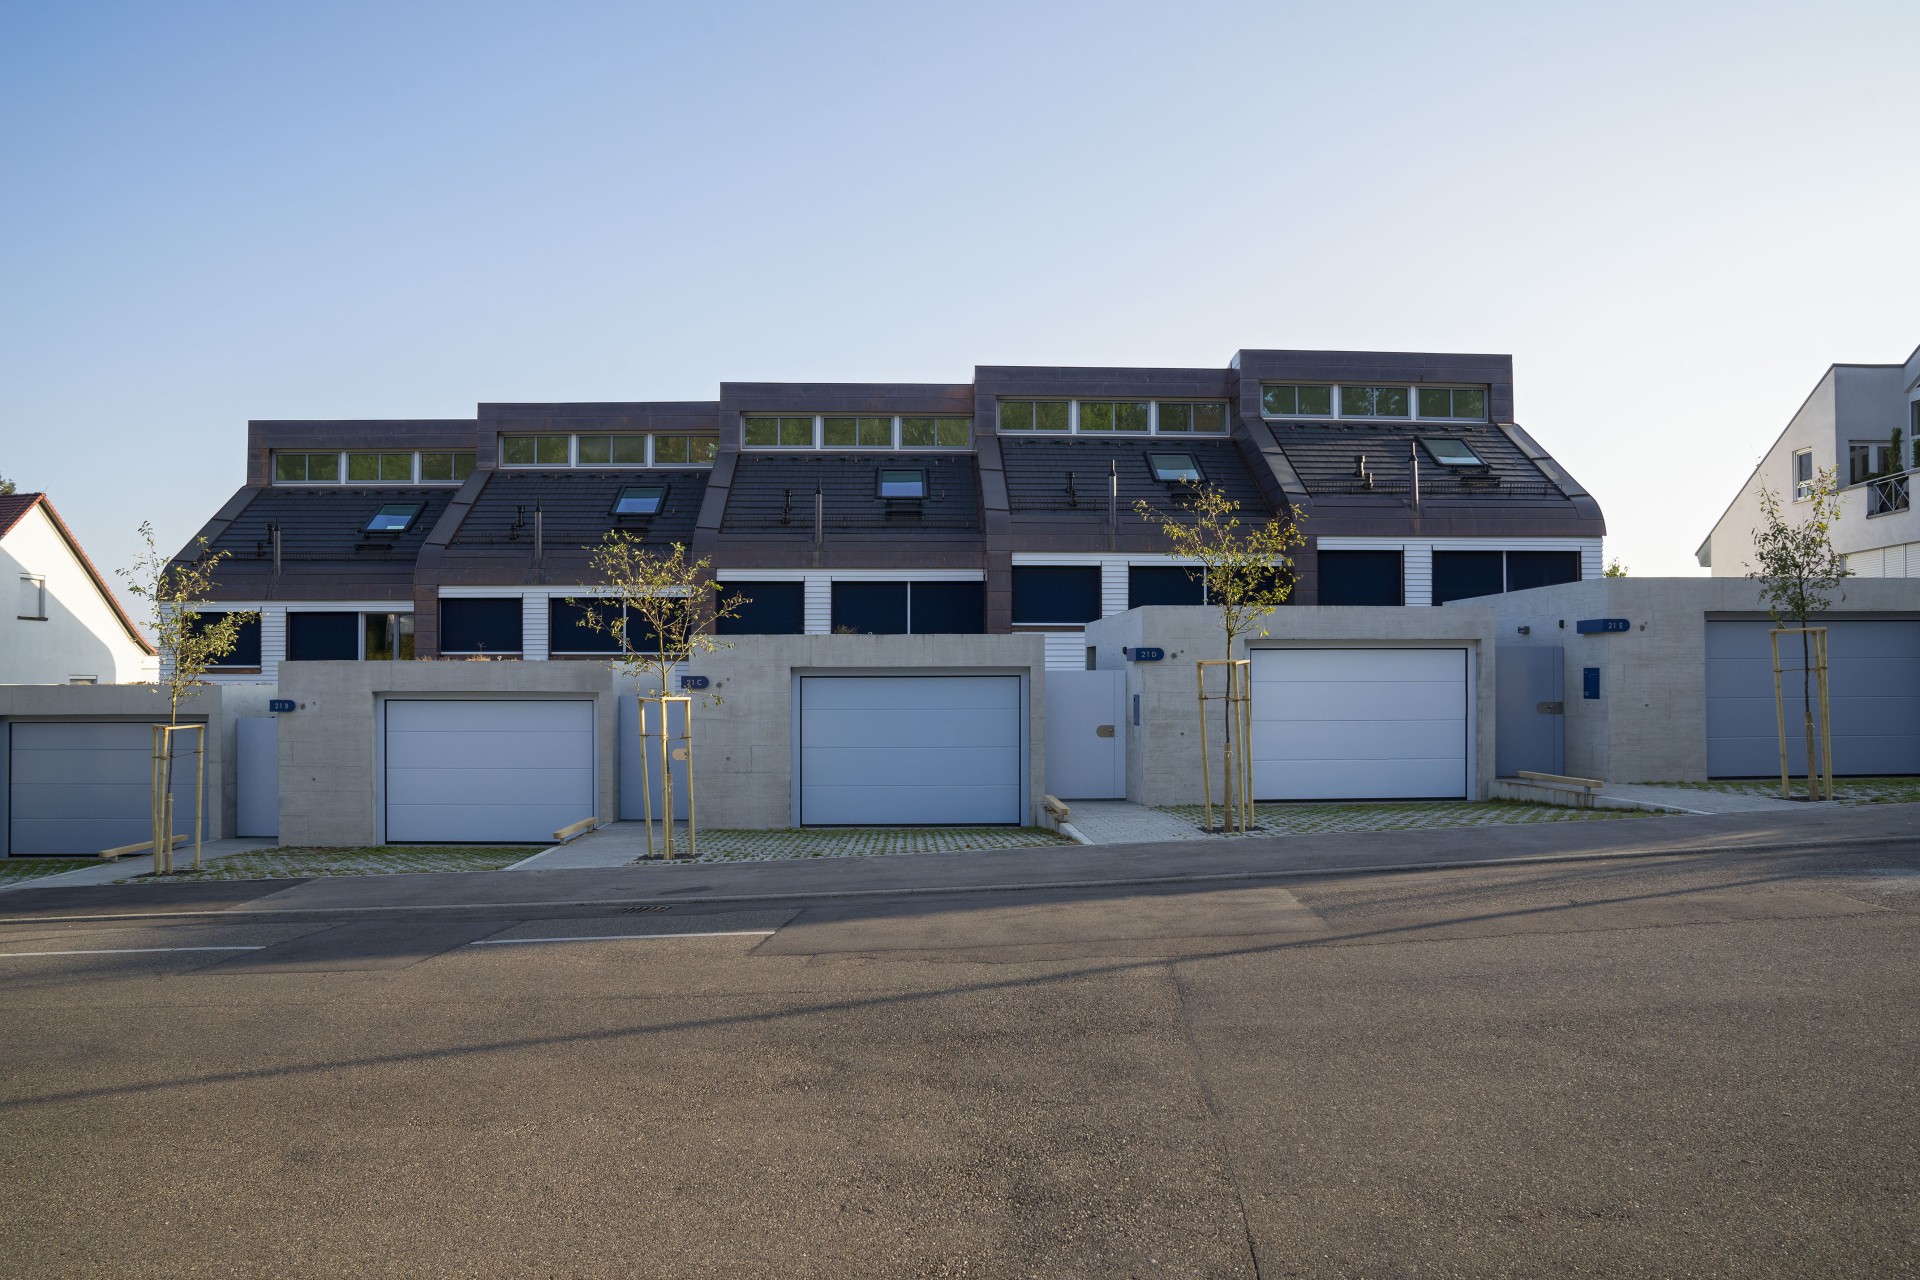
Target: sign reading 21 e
[(1601, 626)]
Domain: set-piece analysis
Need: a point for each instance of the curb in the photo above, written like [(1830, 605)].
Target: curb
[(1212, 877)]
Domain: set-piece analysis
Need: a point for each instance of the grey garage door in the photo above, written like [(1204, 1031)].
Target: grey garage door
[(919, 750), (1874, 682), (1359, 724), (487, 771), (84, 787)]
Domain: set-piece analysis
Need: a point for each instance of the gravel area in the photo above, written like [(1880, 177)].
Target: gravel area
[(1845, 790), (1317, 819), (726, 845), (13, 869), (376, 860)]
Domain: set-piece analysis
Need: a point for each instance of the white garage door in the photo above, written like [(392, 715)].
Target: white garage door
[(80, 788), (919, 750), (1873, 682), (1359, 724), (487, 772)]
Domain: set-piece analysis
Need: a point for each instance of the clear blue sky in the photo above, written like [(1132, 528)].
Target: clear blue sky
[(1674, 216)]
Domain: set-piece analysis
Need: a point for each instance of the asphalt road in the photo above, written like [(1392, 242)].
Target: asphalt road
[(1691, 1066)]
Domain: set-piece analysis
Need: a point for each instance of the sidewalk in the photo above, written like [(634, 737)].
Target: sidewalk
[(1894, 828), (140, 864)]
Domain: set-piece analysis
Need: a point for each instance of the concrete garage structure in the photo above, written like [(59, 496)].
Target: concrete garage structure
[(1685, 692), (808, 730), (75, 764), (1348, 702)]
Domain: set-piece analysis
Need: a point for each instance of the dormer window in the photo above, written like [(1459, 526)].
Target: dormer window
[(640, 500), (903, 484), (1452, 453), (395, 517), (1171, 468)]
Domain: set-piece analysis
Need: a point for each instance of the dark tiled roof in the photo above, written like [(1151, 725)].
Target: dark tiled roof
[(329, 524), (1327, 459), (15, 505), (772, 493), (576, 508), (1067, 476)]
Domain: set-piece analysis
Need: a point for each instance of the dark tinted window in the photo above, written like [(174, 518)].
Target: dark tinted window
[(246, 646), (1360, 577), (1053, 593), (1541, 568), (323, 637), (1461, 575), (948, 608), (480, 626), (772, 609), (1164, 584), (568, 631), (870, 608)]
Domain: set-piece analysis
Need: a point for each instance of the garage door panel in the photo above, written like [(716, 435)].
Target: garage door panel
[(914, 805), (1350, 700), (1360, 740), (907, 729), (934, 693), (77, 787), (482, 750), (1362, 666), (878, 750), (1360, 780), (488, 771), (1359, 723), (1875, 685)]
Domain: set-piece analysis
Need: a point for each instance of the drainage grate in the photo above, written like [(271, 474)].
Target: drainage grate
[(641, 911)]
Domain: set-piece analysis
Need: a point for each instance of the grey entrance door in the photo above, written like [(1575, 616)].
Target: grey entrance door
[(1530, 728), (1874, 676)]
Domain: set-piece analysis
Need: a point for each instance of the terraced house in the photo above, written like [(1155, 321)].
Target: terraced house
[(1003, 504)]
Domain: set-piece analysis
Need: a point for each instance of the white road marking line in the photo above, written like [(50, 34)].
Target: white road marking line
[(121, 951), (624, 937)]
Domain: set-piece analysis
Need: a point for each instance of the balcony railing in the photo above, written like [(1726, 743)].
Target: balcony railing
[(1886, 495)]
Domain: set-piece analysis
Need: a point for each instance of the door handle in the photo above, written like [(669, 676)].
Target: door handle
[(1103, 731), (1551, 708)]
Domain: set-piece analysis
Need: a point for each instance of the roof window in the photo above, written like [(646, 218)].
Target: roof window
[(640, 500), (395, 517), (1172, 467), (903, 484), (1452, 453)]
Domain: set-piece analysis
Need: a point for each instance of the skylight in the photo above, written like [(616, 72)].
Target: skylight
[(903, 484), (395, 517), (1452, 453), (640, 500), (1174, 466)]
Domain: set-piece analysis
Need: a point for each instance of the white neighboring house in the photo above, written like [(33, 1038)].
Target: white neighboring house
[(1847, 423), (61, 623)]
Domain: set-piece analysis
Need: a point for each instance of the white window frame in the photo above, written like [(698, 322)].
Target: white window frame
[(1337, 391), (340, 462), (1802, 489), (895, 445), (33, 586), (573, 462), (1153, 419)]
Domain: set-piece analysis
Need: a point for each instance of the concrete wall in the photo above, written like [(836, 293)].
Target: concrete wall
[(330, 747), (213, 705), (1163, 750), (81, 634), (1650, 722), (743, 752)]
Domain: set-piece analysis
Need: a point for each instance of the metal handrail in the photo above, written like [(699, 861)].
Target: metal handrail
[(1887, 494)]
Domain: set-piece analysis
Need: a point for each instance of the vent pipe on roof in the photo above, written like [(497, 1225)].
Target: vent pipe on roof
[(819, 518), (1113, 503), (273, 532), (1414, 454), (539, 534)]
